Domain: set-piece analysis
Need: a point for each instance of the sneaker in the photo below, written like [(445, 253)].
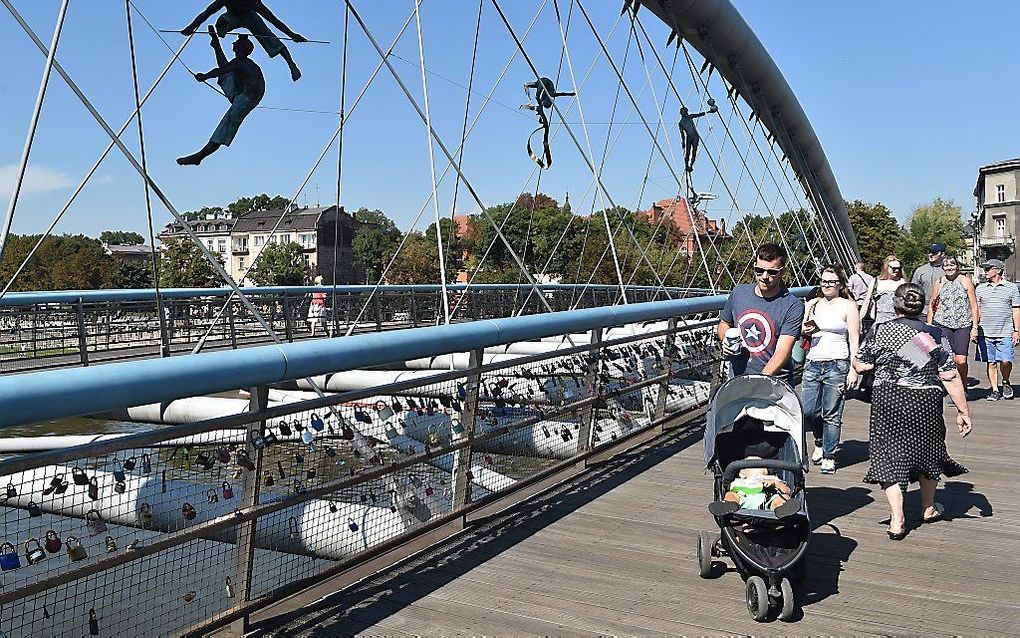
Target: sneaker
[(828, 466), (816, 456), (1007, 391), (994, 396)]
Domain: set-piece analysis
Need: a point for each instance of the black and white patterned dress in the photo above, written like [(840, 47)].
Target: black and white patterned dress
[(907, 434)]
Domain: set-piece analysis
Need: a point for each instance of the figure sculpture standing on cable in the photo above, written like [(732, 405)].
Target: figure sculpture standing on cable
[(689, 136), (242, 83), (251, 15)]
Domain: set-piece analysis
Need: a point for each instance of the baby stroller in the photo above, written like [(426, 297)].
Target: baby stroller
[(760, 417)]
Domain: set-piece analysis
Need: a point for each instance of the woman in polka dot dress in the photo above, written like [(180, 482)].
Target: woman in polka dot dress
[(907, 433)]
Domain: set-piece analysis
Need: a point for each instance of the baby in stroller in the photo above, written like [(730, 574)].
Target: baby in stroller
[(755, 488)]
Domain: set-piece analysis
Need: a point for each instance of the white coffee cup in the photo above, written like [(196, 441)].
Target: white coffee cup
[(733, 340)]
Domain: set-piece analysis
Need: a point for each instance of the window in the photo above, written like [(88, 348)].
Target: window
[(240, 244), (1000, 226), (240, 263), (221, 246), (308, 240), (259, 240), (305, 258), (209, 244), (1000, 193), (285, 239)]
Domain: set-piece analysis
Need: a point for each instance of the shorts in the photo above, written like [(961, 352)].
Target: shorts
[(992, 349), (255, 25), (958, 338)]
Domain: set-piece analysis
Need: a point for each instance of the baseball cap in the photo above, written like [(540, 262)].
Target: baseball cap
[(937, 248), (993, 263)]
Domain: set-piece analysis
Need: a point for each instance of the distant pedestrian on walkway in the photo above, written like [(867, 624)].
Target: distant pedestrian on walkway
[(998, 325), (907, 430), (878, 303), (859, 284), (767, 316), (317, 307), (833, 323), (954, 310), (928, 274)]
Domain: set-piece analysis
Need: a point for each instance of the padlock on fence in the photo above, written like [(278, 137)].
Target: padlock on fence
[(269, 480), (244, 460), (111, 545), (212, 496), (307, 437), (230, 587), (188, 511), (9, 559), (34, 510), (285, 429), (79, 476), (292, 525), (95, 523), (352, 525), (53, 542), (146, 463), (145, 513), (130, 463), (94, 488), (11, 490), (310, 473), (257, 439), (75, 550), (270, 437), (34, 552), (228, 492), (93, 623), (317, 423), (205, 460), (120, 487), (384, 411), (118, 471)]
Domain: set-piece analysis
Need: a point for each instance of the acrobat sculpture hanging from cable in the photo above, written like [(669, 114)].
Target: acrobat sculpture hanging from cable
[(545, 93), (689, 136), (242, 83), (251, 15)]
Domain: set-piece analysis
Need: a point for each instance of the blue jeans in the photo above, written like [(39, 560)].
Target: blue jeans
[(823, 399)]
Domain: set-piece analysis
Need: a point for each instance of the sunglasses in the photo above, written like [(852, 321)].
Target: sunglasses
[(771, 271), (895, 268), (830, 282), (987, 268)]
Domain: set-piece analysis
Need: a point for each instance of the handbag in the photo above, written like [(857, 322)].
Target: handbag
[(801, 347)]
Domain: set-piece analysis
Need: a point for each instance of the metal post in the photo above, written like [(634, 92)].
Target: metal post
[(414, 309), (258, 401), (164, 332), (668, 353), (288, 329), (83, 344), (378, 312), (584, 434), (462, 458), (233, 327)]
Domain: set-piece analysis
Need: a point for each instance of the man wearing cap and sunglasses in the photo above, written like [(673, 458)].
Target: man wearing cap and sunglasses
[(767, 316), (928, 274), (998, 327)]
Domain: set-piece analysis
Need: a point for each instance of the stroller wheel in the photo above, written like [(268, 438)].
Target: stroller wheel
[(789, 601), (705, 543), (757, 595)]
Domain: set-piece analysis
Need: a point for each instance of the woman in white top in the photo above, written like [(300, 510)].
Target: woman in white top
[(833, 322), (878, 305)]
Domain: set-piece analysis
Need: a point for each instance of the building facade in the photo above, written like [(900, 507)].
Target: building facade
[(995, 221), (691, 230), (213, 231)]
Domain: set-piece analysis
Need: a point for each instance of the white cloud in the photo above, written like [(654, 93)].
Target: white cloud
[(38, 179)]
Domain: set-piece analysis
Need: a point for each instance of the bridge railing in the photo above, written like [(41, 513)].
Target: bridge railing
[(80, 328), (191, 527)]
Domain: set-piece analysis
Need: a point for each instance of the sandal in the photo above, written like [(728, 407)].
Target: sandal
[(897, 536), (722, 508), (940, 510)]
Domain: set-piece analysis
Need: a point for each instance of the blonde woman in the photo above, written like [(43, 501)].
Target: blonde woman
[(317, 308), (878, 305)]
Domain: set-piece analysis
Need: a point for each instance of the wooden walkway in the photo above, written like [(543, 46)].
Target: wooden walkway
[(614, 553)]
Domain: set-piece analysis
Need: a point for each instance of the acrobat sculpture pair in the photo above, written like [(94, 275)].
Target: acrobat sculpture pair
[(240, 79)]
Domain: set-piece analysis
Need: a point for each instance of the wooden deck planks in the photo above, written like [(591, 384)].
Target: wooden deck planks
[(615, 555)]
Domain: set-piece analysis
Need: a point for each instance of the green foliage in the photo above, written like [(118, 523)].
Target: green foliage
[(280, 265), (241, 206), (134, 274), (375, 242), (878, 234), (941, 221), (121, 238), (183, 265), (65, 262), (418, 262)]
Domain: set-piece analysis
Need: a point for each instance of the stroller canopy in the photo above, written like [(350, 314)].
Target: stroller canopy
[(761, 397)]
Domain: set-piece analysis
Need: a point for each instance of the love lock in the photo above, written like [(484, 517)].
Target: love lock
[(205, 460), (146, 463), (120, 487), (130, 463), (292, 525), (330, 451), (257, 440), (34, 551), (189, 596), (346, 431), (269, 480), (458, 427), (332, 507), (270, 437), (434, 439), (383, 411), (299, 458), (9, 559), (95, 523), (212, 496), (111, 545), (362, 417), (228, 492), (53, 543), (285, 429), (188, 511), (11, 491), (311, 473), (118, 472), (244, 460), (93, 623), (279, 468), (145, 512), (299, 487), (429, 491), (230, 587), (308, 436), (75, 550), (79, 476), (34, 510), (223, 455), (317, 423), (352, 525)]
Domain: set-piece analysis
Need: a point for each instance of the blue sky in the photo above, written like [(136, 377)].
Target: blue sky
[(908, 99)]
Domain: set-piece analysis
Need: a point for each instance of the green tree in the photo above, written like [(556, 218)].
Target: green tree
[(183, 265), (417, 262), (375, 242), (280, 265), (878, 233), (121, 238), (257, 202), (134, 274), (64, 262), (941, 221)]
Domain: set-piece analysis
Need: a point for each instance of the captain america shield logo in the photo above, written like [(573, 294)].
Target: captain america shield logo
[(757, 330)]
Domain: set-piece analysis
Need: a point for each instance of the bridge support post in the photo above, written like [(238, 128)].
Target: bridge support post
[(462, 458), (287, 325), (378, 312), (83, 343), (233, 327), (164, 333), (668, 354), (241, 585), (584, 434)]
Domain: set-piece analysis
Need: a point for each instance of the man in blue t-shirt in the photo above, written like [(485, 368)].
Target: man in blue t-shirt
[(766, 313)]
